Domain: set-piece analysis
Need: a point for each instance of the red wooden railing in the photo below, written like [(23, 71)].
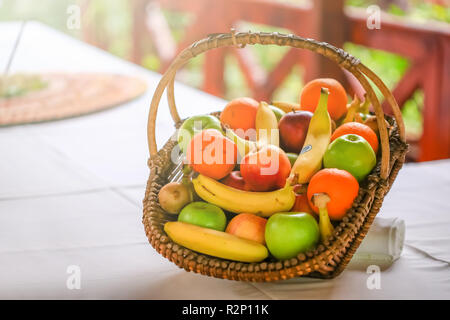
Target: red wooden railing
[(427, 46)]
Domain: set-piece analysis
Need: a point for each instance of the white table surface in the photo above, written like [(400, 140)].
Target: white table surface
[(71, 194)]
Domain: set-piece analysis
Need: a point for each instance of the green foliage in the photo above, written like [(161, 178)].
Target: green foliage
[(234, 79), (390, 67), (151, 61), (178, 21), (291, 86), (50, 12), (417, 10), (412, 114), (269, 56), (111, 20)]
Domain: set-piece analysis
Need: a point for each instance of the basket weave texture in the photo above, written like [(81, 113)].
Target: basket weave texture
[(329, 258)]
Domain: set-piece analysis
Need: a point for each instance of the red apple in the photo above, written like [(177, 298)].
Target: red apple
[(235, 180), (266, 169), (293, 128), (248, 226)]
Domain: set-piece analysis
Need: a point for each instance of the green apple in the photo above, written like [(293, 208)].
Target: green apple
[(194, 125), (351, 153), (290, 233), (278, 112), (204, 214), (292, 157)]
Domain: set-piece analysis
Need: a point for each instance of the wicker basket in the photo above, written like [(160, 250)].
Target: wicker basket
[(329, 258)]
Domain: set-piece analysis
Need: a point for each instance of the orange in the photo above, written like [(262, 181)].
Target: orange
[(240, 113), (337, 98), (212, 154), (339, 185), (359, 129)]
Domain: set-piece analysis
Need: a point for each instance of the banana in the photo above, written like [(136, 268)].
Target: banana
[(364, 107), (357, 111), (286, 106), (317, 139), (266, 126), (326, 228), (244, 146), (352, 109), (260, 203), (215, 243)]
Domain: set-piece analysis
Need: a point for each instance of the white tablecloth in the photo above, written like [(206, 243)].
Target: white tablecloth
[(71, 195)]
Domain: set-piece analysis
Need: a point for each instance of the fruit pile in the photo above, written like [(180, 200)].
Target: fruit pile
[(270, 179)]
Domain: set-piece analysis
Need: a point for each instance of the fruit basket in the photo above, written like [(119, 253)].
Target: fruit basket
[(329, 258)]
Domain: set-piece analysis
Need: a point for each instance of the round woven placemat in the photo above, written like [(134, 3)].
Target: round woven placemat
[(69, 95)]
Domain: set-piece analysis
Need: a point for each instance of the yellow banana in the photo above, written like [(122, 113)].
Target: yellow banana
[(260, 203), (326, 228), (215, 243), (244, 146), (352, 109), (364, 107), (286, 106), (357, 110), (266, 126), (317, 139)]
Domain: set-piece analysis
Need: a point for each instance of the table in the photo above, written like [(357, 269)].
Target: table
[(71, 199)]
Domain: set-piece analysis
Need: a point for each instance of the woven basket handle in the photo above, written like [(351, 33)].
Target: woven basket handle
[(241, 39)]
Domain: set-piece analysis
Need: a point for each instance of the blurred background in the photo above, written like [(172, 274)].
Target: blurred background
[(409, 50)]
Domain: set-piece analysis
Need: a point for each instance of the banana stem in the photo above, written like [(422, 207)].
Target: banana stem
[(187, 170), (186, 181), (352, 109), (364, 107), (321, 200), (292, 179), (300, 188), (323, 100)]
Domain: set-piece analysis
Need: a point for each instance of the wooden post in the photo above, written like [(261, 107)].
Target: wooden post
[(213, 71), (215, 19), (435, 141), (138, 29), (330, 26)]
